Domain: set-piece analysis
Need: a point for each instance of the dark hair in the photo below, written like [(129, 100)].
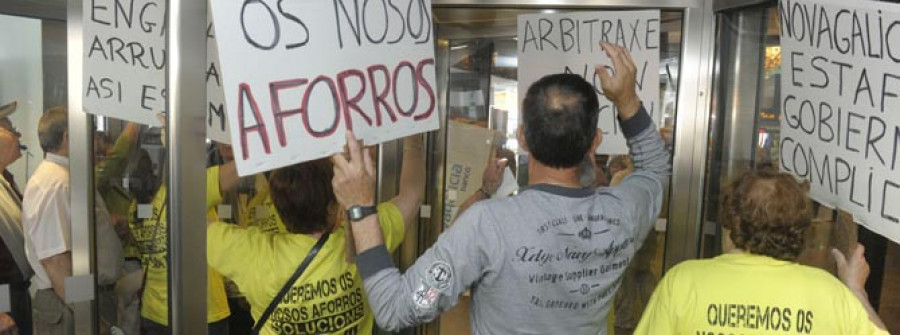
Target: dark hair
[(560, 117), (767, 212), (302, 194), (52, 128)]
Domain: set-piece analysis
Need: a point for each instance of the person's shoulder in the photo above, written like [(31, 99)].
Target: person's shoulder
[(691, 266), (811, 274)]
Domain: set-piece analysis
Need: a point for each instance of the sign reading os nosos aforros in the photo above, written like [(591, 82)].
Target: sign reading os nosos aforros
[(298, 75)]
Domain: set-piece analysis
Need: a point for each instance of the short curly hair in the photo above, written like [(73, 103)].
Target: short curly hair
[(302, 195), (767, 213)]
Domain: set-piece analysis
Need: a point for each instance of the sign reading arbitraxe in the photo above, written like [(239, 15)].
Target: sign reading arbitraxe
[(570, 43), (840, 106), (298, 74)]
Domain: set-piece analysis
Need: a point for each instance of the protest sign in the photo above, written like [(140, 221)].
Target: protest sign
[(297, 75), (124, 59), (840, 106), (216, 122), (125, 62), (570, 43), (467, 156)]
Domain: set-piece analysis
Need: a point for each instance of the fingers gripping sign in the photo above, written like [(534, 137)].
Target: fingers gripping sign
[(354, 179), (619, 87)]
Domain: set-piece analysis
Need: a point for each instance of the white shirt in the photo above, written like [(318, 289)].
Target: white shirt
[(47, 222), (46, 215)]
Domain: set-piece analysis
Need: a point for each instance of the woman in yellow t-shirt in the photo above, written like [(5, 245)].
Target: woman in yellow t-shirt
[(149, 234), (757, 287), (328, 296)]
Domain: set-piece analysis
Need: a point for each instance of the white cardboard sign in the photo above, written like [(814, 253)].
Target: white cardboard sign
[(570, 43), (125, 61), (216, 122), (840, 106), (297, 75)]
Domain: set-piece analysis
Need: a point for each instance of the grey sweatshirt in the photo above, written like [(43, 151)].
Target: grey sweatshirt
[(546, 261)]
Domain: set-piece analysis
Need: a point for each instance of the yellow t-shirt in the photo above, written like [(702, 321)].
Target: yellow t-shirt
[(327, 298), (150, 237), (259, 210), (752, 294)]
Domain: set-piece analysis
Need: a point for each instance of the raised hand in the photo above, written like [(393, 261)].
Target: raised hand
[(620, 86), (354, 180)]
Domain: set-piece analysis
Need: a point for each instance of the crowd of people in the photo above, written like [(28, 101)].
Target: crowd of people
[(306, 249)]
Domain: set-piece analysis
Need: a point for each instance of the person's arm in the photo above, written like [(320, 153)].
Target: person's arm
[(491, 180), (431, 285), (58, 268), (113, 165), (220, 179), (643, 189), (7, 325), (853, 273), (412, 179)]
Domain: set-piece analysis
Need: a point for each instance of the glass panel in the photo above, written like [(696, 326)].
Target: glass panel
[(483, 111), (131, 196), (745, 135)]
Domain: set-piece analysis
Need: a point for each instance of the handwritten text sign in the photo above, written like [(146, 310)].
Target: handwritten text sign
[(125, 59), (216, 122), (840, 106), (570, 43), (297, 75)]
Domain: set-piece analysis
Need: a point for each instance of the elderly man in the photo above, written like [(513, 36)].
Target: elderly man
[(14, 268), (46, 220), (546, 261)]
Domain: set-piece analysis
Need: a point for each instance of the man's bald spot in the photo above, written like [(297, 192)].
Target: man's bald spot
[(559, 101)]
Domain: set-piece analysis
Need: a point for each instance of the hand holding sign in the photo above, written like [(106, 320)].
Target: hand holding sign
[(619, 87), (354, 180), (575, 42), (296, 80)]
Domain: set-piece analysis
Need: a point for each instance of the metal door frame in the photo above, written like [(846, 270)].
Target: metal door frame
[(186, 45)]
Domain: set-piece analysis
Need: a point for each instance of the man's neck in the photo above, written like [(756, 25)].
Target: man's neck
[(538, 173)]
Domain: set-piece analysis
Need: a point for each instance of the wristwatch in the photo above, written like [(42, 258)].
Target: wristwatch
[(356, 213)]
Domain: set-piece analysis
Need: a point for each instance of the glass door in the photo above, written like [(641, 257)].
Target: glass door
[(477, 66)]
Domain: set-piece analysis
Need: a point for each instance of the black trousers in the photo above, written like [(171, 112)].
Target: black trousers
[(21, 306)]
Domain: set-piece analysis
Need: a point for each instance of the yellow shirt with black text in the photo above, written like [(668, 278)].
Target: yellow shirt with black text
[(327, 298), (259, 210), (150, 236), (752, 294)]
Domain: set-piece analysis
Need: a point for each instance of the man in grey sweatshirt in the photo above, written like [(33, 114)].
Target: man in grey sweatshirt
[(547, 261)]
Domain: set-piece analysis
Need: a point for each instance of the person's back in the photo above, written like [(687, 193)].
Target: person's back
[(753, 294), (757, 287), (327, 298), (551, 271), (548, 260)]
